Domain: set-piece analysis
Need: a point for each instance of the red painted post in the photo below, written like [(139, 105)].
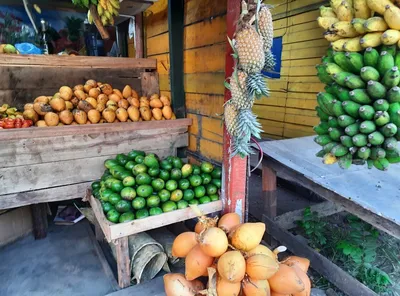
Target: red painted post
[(235, 169)]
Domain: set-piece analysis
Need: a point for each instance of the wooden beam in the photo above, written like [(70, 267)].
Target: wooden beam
[(139, 36), (321, 264), (235, 169), (123, 262), (175, 26), (39, 220), (324, 209)]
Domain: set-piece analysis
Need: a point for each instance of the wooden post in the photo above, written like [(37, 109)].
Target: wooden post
[(235, 169), (123, 262), (39, 220), (269, 191), (97, 21), (139, 36)]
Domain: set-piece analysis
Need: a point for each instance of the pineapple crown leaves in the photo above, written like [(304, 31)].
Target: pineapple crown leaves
[(257, 85), (241, 147), (270, 61), (232, 44), (248, 125)]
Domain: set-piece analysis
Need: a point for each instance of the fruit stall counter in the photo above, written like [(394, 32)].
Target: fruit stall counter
[(372, 195)]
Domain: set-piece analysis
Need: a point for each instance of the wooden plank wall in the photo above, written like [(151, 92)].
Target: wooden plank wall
[(204, 62)]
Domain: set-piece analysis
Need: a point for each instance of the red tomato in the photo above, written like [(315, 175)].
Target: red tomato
[(28, 122)]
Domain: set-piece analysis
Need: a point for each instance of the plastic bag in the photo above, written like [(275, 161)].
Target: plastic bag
[(27, 48)]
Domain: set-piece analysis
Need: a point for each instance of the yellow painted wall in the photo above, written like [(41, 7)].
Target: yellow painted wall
[(288, 112), (204, 67)]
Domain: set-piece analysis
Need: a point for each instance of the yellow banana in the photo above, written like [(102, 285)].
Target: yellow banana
[(104, 20), (390, 37), (358, 25), (329, 159), (331, 37), (115, 3), (379, 5), (353, 45), (361, 9), (4, 108), (103, 4), (109, 7), (338, 44), (107, 14), (344, 29), (89, 17), (326, 22), (115, 12), (344, 11), (335, 4), (371, 40), (392, 16), (111, 21), (100, 9), (327, 11), (375, 24)]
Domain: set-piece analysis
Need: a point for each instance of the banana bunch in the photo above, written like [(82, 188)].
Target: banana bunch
[(9, 112), (107, 9), (353, 25)]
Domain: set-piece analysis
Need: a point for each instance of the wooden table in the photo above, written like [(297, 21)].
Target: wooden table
[(372, 195)]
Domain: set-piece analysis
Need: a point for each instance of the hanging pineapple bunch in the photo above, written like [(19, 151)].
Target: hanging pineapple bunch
[(251, 44)]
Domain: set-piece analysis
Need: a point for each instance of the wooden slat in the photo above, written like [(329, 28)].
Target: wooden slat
[(211, 150), (194, 128), (272, 127), (296, 130), (205, 59), (163, 63), (76, 62), (45, 195), (305, 87), (276, 98), (158, 44), (204, 104), (208, 83), (269, 112), (305, 53), (211, 129), (300, 116), (205, 33), (90, 129), (197, 10), (25, 152), (156, 18), (192, 143), (115, 231), (150, 84), (165, 83)]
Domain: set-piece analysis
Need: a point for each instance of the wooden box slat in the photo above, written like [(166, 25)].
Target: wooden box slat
[(114, 231)]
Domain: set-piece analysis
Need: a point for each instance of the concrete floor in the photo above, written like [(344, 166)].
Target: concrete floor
[(63, 264)]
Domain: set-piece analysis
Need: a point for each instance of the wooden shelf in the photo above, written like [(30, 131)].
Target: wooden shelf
[(115, 231)]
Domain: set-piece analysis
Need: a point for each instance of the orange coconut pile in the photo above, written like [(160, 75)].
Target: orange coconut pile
[(231, 255)]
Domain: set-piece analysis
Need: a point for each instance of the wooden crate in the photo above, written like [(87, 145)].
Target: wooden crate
[(114, 231)]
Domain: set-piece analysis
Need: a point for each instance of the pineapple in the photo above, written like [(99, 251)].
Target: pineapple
[(231, 119), (257, 86), (265, 26), (249, 47), (269, 61), (240, 98)]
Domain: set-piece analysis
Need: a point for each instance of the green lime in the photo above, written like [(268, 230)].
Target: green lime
[(123, 206), (106, 176), (113, 216), (107, 206), (117, 186), (170, 159), (183, 184), (129, 181), (119, 172), (126, 217), (139, 159), (153, 155), (110, 181), (194, 202), (155, 211), (188, 194), (109, 163), (199, 191), (207, 167), (130, 164), (139, 168), (125, 174), (166, 165), (158, 184), (168, 206), (122, 159), (176, 174), (144, 190), (96, 185), (216, 173), (196, 170), (182, 204), (128, 193), (214, 197), (143, 179), (187, 169), (154, 172), (151, 162), (132, 155), (164, 175), (204, 200), (153, 201), (164, 195), (139, 203), (195, 180), (211, 189), (114, 198), (177, 163), (176, 195), (143, 213), (105, 194), (216, 182), (171, 185), (206, 178), (96, 193)]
